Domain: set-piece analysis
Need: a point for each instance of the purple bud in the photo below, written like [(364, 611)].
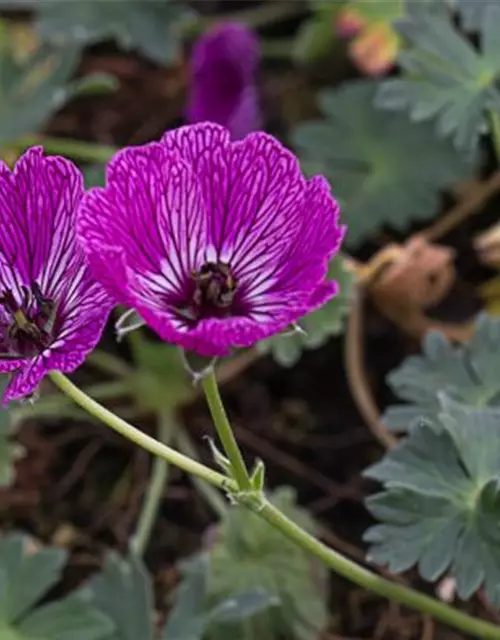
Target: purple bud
[(223, 70)]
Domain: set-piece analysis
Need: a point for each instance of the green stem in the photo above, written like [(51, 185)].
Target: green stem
[(495, 132), (331, 558), (372, 582), (154, 493), (76, 149), (225, 432), (212, 496), (138, 437)]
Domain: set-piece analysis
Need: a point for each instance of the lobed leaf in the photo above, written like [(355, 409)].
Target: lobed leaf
[(123, 591), (149, 26), (27, 573), (248, 554), (466, 374), (34, 85), (190, 618), (373, 159), (471, 13), (445, 78), (440, 506)]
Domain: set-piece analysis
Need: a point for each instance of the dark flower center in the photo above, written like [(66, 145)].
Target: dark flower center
[(212, 293), (31, 324)]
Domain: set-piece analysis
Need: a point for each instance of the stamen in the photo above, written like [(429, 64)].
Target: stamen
[(32, 323), (215, 289)]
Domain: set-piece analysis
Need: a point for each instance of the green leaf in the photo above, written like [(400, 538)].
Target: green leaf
[(9, 451), (248, 554), (27, 573), (32, 89), (319, 325), (471, 13), (441, 504), (445, 78), (30, 572), (94, 175), (243, 605), (467, 374), (188, 618), (69, 619), (161, 380), (149, 26), (123, 591), (373, 159), (316, 37)]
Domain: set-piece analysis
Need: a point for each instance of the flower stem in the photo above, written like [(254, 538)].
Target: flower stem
[(154, 493), (225, 432), (495, 132), (372, 582), (138, 437), (331, 558)]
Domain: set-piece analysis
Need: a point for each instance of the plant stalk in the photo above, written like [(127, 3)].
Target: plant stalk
[(331, 558), (155, 489), (224, 431)]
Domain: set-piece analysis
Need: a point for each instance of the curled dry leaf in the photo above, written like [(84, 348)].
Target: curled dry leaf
[(419, 276)]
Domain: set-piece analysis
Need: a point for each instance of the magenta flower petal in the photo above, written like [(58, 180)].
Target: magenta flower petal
[(223, 88), (219, 244), (51, 312)]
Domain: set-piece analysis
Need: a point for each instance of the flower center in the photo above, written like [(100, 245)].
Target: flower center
[(32, 323), (212, 294)]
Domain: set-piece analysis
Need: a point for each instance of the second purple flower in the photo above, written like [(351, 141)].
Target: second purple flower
[(216, 244)]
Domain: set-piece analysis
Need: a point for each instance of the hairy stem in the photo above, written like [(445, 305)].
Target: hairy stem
[(372, 582), (225, 432), (155, 489), (331, 558)]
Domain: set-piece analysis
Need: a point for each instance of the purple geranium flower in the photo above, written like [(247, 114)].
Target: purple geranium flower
[(214, 243), (51, 312), (223, 87)]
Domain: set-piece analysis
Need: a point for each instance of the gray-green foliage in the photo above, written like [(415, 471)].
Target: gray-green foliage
[(445, 79), (471, 12), (27, 573), (467, 373), (31, 90), (317, 326), (149, 26), (190, 618), (374, 160), (440, 506), (123, 590), (247, 553)]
